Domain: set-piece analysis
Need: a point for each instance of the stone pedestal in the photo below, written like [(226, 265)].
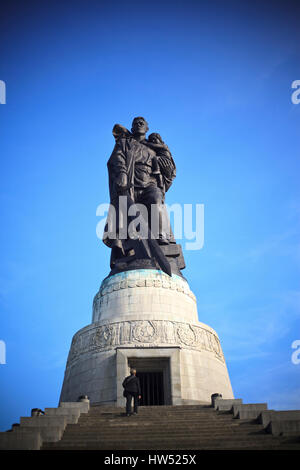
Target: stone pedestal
[(147, 320)]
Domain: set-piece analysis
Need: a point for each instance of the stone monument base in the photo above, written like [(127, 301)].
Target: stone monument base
[(146, 320)]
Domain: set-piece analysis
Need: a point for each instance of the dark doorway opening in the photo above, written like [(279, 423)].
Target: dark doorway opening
[(155, 379), (152, 388)]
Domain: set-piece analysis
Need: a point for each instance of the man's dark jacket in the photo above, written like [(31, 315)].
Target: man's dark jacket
[(132, 384)]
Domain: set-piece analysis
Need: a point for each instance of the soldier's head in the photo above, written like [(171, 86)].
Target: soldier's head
[(132, 371), (139, 126)]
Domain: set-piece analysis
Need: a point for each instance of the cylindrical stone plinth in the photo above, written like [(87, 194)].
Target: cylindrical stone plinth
[(146, 319)]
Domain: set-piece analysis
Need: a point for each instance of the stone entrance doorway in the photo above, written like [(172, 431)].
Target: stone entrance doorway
[(165, 362), (152, 386), (154, 375)]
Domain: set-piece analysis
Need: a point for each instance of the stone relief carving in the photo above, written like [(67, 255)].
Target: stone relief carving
[(130, 283), (145, 333), (103, 336), (186, 334)]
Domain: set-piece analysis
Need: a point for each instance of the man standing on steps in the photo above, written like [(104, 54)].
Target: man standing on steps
[(132, 389)]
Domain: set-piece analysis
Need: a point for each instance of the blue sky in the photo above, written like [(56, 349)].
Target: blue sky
[(214, 78)]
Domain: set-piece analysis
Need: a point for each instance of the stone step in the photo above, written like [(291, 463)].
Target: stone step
[(158, 415), (82, 406), (284, 427), (271, 415), (176, 446), (165, 426), (142, 419), (180, 414), (31, 440), (167, 444), (94, 406), (234, 437), (157, 424), (163, 429), (152, 409), (155, 413), (249, 410), (39, 421), (47, 433), (181, 443), (71, 414), (143, 435), (144, 440), (222, 404)]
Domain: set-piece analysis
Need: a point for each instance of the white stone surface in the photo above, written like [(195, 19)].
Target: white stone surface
[(149, 293), (145, 314)]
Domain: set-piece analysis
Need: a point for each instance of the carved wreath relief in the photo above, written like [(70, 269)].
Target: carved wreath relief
[(145, 333)]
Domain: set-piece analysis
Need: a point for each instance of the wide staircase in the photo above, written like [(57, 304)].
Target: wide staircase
[(223, 425), (168, 427)]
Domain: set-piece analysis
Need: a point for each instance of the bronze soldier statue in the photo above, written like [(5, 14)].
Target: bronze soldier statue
[(140, 172)]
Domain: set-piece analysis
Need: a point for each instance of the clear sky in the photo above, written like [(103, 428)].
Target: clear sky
[(214, 78)]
